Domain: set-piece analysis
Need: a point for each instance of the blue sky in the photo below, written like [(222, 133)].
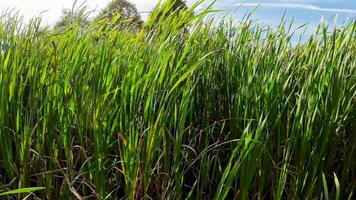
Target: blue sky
[(269, 11), (304, 11), (310, 12)]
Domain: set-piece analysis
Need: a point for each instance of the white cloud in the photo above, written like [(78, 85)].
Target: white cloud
[(50, 10), (298, 6)]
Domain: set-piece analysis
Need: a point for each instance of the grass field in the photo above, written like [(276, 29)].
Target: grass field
[(189, 107)]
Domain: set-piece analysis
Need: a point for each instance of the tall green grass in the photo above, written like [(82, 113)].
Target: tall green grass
[(187, 108)]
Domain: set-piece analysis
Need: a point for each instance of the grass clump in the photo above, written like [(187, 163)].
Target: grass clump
[(183, 109)]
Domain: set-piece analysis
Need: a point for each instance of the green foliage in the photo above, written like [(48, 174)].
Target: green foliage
[(178, 5), (77, 15), (123, 13), (22, 190), (126, 10), (172, 9), (189, 109)]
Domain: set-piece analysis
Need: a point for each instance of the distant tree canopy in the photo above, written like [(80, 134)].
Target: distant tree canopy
[(169, 8), (175, 6), (179, 5), (127, 11), (69, 16)]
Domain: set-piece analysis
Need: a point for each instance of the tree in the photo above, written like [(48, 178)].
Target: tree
[(175, 6), (127, 11), (170, 8), (70, 16), (179, 5), (80, 16)]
